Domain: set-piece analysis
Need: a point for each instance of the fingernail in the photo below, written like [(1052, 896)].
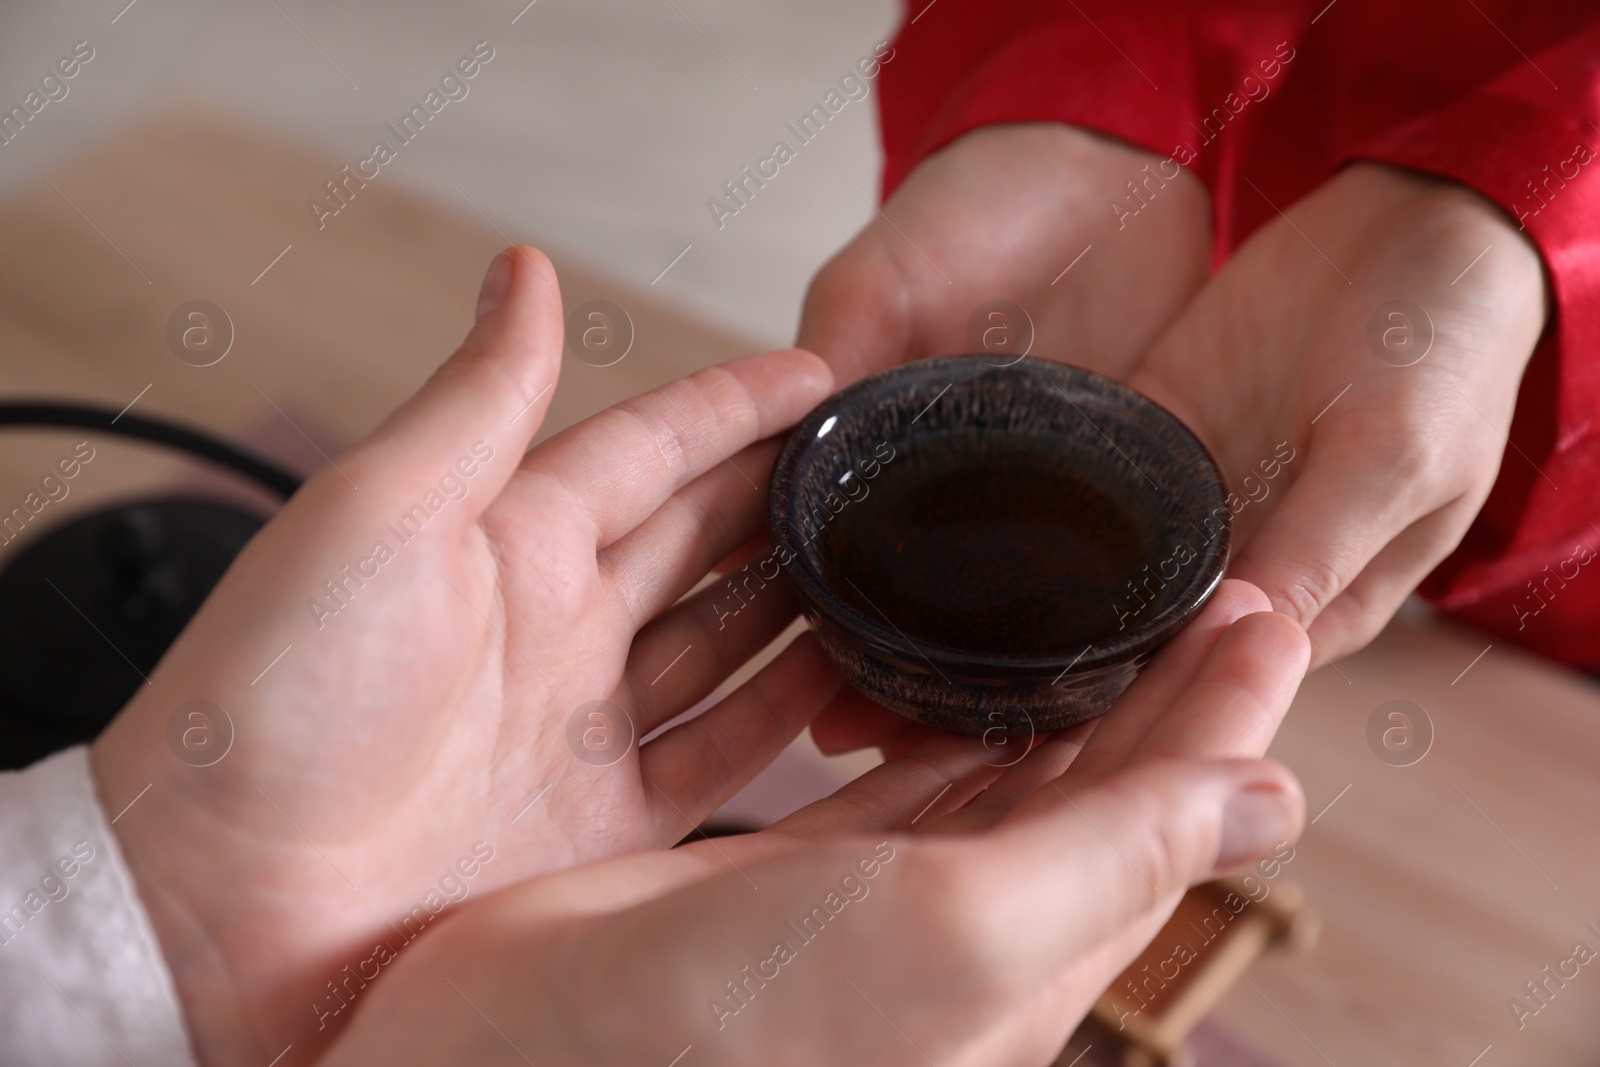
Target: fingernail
[(1254, 822), (496, 283)]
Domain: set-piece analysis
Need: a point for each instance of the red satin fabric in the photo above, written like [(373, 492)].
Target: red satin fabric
[(1500, 95)]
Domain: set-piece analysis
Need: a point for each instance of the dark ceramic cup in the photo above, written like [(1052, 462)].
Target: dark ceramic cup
[(1094, 431)]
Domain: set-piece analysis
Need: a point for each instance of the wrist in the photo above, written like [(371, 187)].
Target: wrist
[(158, 842), (1457, 214)]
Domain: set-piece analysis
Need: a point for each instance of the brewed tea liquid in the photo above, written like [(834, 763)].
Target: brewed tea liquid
[(1001, 550)]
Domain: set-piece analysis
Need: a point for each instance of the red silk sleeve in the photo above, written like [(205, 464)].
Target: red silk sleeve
[(1528, 141), (1502, 96)]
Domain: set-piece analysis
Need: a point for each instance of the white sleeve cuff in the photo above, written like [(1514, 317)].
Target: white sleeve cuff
[(82, 977)]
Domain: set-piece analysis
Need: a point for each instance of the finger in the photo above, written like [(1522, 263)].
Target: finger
[(619, 466), (939, 775), (666, 555), (854, 721), (679, 658), (965, 928), (466, 429), (1049, 760), (751, 549), (1229, 710), (690, 770), (992, 904), (857, 313), (1119, 849), (1238, 698), (1164, 678), (1355, 616), (1332, 521)]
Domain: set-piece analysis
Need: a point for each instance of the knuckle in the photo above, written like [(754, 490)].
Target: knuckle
[(655, 425), (1311, 586), (841, 277), (1164, 851), (1411, 452), (865, 273), (725, 399), (1158, 857), (1421, 459)]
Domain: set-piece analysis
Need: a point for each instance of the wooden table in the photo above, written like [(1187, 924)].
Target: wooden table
[(1446, 885), (328, 338)]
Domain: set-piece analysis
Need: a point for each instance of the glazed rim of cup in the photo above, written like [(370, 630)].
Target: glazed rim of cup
[(1112, 408)]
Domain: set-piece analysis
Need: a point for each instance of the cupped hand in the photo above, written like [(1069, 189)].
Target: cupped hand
[(936, 910), (1001, 214), (1018, 213), (1354, 368), (413, 656)]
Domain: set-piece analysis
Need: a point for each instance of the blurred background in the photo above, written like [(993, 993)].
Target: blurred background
[(600, 128)]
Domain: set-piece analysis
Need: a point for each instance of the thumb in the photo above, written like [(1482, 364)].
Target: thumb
[(857, 314), (482, 406), (1119, 850)]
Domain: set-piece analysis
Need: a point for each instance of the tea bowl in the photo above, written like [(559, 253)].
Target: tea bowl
[(1000, 680)]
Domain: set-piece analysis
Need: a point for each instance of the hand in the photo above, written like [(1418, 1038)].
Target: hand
[(1000, 214), (404, 715), (1386, 464), (976, 913)]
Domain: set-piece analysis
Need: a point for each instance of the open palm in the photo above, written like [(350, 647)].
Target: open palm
[(436, 663)]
